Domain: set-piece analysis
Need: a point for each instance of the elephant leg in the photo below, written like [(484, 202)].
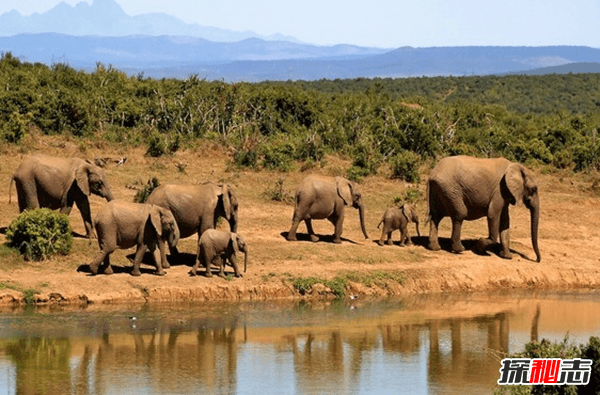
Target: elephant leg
[(383, 235), (101, 256), (295, 222), (338, 221), (163, 254), (84, 207), (107, 268), (405, 237), (233, 262), (139, 255), (504, 234), (208, 258), (434, 243), (220, 262), (197, 262), (456, 228), (157, 255), (311, 232), (389, 240)]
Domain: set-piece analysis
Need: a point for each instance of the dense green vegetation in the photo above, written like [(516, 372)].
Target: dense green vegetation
[(564, 350), (40, 233), (550, 119)]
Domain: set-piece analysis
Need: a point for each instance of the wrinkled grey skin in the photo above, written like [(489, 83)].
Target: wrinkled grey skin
[(320, 197), (58, 183), (466, 188), (398, 218), (196, 208), (122, 225), (219, 247)]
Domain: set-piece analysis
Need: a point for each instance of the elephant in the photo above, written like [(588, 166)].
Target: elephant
[(467, 188), (123, 225), (219, 247), (320, 197), (57, 183), (398, 218), (196, 208)]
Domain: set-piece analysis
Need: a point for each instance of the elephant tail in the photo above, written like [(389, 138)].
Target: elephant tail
[(379, 224), (12, 180)]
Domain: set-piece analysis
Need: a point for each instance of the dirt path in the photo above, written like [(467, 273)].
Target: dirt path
[(569, 241)]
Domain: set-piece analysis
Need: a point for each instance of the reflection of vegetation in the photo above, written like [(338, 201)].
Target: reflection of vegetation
[(550, 119), (564, 350), (42, 365)]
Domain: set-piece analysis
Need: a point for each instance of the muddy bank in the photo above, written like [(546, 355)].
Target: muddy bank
[(487, 275)]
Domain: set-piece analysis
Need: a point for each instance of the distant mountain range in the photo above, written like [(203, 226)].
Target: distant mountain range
[(107, 18), (159, 45)]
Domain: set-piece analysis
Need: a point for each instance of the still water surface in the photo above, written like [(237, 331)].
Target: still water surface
[(448, 344)]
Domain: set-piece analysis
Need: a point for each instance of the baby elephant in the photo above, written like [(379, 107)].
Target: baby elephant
[(217, 247), (398, 218), (123, 225)]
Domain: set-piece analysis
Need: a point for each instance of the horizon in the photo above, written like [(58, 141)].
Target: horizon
[(424, 25)]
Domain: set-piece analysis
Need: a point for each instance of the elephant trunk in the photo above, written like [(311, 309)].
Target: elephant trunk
[(417, 223), (108, 195), (233, 220), (361, 212), (245, 259), (534, 206), (174, 238)]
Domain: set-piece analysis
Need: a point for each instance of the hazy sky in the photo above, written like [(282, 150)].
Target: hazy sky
[(381, 23)]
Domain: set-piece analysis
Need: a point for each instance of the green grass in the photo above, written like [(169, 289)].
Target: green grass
[(338, 284), (28, 293)]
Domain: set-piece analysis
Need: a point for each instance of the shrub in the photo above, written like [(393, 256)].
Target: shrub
[(142, 195), (405, 166), (246, 158), (277, 192), (40, 233)]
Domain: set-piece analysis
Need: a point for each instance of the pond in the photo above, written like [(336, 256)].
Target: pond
[(442, 344)]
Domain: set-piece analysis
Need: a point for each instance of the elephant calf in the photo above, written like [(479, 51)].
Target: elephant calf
[(123, 225), (218, 247), (398, 218)]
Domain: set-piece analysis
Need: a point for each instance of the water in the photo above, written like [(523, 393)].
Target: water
[(448, 344)]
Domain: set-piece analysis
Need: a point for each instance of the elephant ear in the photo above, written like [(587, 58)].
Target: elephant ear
[(82, 179), (156, 220), (234, 242), (515, 182), (226, 190), (344, 189), (407, 211)]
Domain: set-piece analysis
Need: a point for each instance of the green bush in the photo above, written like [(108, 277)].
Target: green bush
[(142, 195), (40, 233), (405, 166), (564, 350)]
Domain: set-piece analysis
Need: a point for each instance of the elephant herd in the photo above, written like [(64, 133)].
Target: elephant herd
[(459, 187)]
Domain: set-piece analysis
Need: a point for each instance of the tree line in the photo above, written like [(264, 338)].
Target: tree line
[(551, 119)]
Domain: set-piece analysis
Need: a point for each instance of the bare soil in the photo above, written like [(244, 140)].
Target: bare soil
[(569, 238)]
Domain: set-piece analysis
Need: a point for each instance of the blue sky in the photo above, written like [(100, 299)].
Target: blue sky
[(381, 23)]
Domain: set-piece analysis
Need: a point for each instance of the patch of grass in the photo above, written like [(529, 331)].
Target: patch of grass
[(28, 293), (278, 193), (338, 284), (267, 277), (229, 277), (144, 192)]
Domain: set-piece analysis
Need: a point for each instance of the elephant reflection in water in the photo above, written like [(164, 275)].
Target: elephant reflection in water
[(465, 359), (400, 338), (208, 358)]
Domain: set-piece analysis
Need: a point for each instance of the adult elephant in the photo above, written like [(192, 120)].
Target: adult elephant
[(123, 225), (320, 197), (58, 183), (466, 188), (196, 208)]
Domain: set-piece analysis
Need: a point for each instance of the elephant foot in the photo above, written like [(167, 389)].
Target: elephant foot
[(108, 270), (91, 236), (337, 240), (291, 237), (136, 272), (408, 242), (93, 270), (434, 246), (314, 238), (208, 274), (161, 273), (505, 254), (457, 247)]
